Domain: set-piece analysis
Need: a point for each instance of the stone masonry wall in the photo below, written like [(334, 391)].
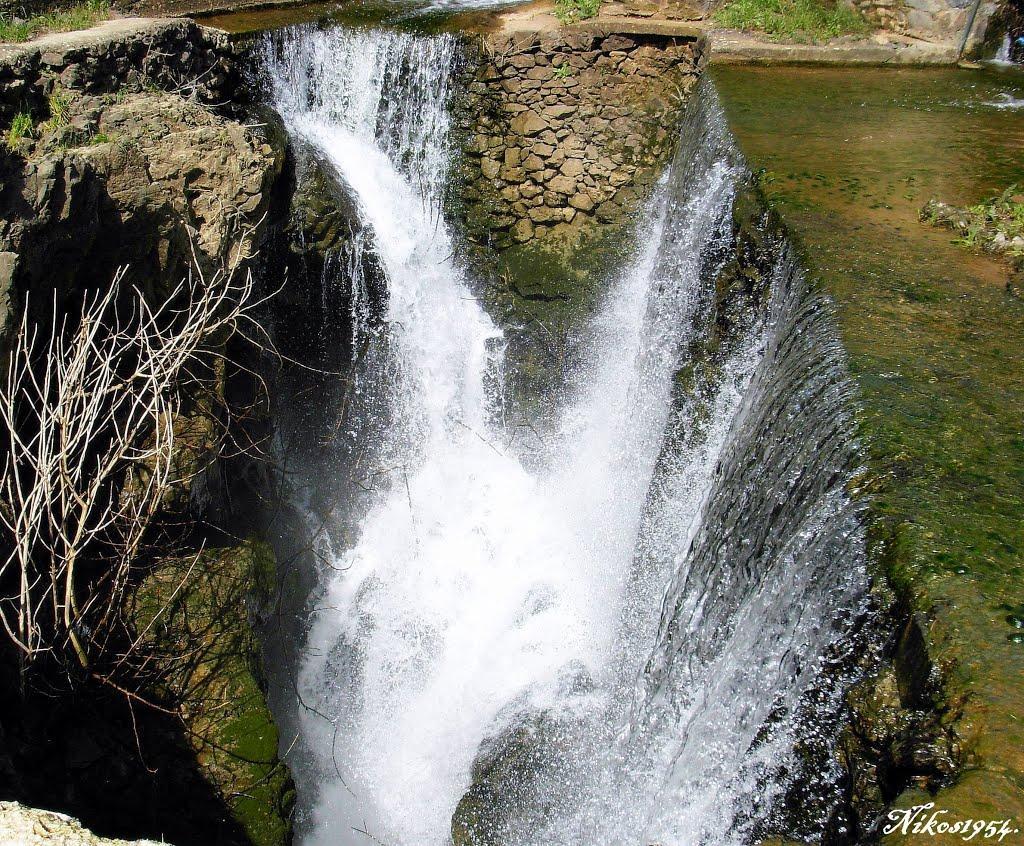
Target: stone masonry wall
[(174, 55), (567, 129)]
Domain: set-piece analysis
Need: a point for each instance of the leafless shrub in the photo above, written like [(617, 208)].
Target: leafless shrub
[(88, 409)]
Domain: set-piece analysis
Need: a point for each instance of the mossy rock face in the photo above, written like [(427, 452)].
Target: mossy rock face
[(194, 616), (543, 295), (321, 212), (890, 742)]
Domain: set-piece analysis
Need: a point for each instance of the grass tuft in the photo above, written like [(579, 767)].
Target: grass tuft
[(59, 103), (80, 16), (21, 127), (793, 20), (568, 11)]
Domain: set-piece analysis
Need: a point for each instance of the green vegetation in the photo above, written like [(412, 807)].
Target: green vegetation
[(21, 127), (568, 11), (793, 20), (997, 224), (933, 338), (79, 16), (193, 617), (59, 103)]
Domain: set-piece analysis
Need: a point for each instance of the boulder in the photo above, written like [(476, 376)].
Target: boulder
[(32, 827)]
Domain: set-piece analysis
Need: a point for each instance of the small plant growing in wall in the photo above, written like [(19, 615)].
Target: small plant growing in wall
[(59, 103), (563, 72), (568, 11), (21, 127)]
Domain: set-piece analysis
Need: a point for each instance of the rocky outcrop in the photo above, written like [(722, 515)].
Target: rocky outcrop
[(32, 827), (134, 145), (113, 158), (930, 20), (567, 129), (133, 180)]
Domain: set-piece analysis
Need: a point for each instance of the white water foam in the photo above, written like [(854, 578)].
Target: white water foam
[(1006, 101), (479, 592)]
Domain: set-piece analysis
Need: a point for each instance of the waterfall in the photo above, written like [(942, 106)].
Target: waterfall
[(1002, 56), (646, 617)]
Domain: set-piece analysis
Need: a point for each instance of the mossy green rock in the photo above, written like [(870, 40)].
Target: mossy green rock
[(194, 616)]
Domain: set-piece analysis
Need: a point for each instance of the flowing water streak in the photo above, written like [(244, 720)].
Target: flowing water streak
[(478, 594), (749, 540), (1002, 56)]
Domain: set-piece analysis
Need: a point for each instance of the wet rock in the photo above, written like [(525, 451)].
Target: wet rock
[(519, 779), (609, 212), (522, 230)]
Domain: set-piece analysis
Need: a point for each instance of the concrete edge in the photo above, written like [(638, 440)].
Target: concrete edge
[(116, 29)]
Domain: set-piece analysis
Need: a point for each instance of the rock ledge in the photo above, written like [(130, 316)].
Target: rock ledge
[(21, 826)]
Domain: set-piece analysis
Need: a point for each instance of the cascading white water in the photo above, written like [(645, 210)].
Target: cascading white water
[(479, 593), (1002, 56)]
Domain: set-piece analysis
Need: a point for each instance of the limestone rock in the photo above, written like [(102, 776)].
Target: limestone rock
[(21, 826), (209, 170), (581, 202), (562, 184), (489, 167), (572, 168)]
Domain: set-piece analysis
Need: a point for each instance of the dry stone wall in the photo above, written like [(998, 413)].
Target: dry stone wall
[(175, 55), (569, 129)]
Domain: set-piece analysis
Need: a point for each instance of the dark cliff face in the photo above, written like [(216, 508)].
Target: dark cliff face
[(333, 285), (145, 152), (151, 153)]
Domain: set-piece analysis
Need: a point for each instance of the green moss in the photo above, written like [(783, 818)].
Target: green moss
[(793, 20), (194, 615), (80, 16), (543, 293)]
